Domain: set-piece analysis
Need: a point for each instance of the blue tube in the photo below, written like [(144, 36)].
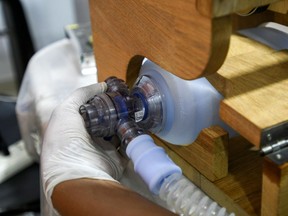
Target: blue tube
[(151, 162)]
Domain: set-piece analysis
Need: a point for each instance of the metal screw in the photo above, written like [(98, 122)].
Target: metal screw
[(269, 137), (279, 156)]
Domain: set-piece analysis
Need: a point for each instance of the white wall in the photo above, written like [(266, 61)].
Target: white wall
[(47, 18)]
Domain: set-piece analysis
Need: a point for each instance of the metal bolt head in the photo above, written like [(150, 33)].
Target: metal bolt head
[(279, 156), (269, 137)]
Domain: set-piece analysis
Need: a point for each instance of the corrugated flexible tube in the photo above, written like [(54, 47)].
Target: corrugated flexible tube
[(185, 198)]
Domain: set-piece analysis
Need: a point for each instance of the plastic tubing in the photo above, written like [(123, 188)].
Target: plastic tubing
[(150, 162), (164, 178), (185, 198)]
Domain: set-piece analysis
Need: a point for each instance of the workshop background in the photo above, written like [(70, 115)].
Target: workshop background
[(26, 26)]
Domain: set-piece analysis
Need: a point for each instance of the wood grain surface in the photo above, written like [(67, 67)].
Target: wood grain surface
[(254, 82), (189, 38), (173, 34), (275, 189), (208, 154), (280, 7)]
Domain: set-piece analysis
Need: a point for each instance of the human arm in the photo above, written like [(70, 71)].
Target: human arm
[(100, 197)]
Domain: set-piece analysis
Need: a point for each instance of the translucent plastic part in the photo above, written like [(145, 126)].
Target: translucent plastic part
[(100, 116), (184, 198), (147, 104), (117, 85), (127, 130), (102, 112), (150, 161), (188, 106)]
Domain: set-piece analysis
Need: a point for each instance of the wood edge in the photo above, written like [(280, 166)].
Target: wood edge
[(221, 33), (212, 143), (274, 189), (133, 69), (235, 120), (279, 7)]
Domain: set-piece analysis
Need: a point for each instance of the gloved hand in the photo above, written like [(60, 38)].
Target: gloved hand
[(68, 151)]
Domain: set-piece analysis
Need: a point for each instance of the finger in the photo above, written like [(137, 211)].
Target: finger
[(82, 95)]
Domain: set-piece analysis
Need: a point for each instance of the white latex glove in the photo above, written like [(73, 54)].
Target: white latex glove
[(68, 151)]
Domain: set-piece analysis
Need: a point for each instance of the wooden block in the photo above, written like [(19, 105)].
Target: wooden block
[(243, 183), (275, 189), (240, 190), (254, 82), (280, 7), (208, 154), (189, 38), (173, 34)]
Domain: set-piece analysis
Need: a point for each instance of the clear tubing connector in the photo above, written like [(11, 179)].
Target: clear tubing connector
[(127, 130), (185, 198), (102, 112), (117, 85), (148, 106)]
